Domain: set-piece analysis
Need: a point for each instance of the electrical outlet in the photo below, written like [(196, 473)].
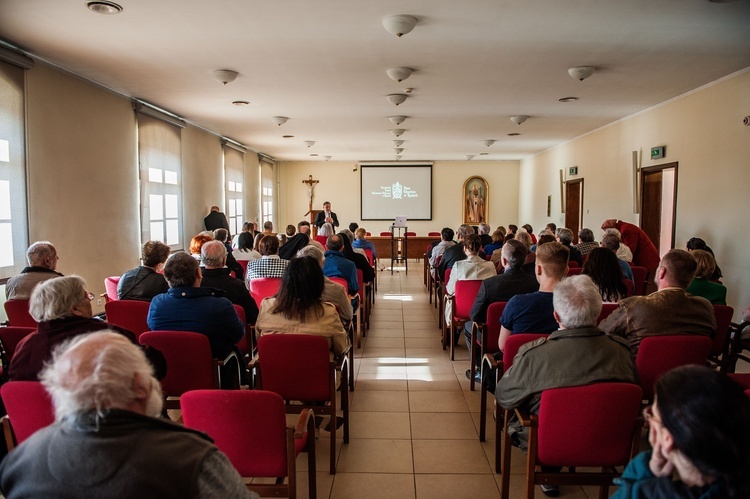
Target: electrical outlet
[(99, 301)]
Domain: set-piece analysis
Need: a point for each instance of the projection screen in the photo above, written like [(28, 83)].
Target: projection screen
[(388, 191)]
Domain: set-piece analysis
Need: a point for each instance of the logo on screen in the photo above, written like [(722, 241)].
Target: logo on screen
[(397, 190)]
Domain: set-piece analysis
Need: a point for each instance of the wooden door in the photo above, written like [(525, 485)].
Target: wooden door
[(574, 206), (658, 204)]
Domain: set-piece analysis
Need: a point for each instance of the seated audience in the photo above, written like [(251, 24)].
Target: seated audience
[(532, 312), (42, 259), (350, 236), (483, 230), (246, 227), (332, 292), (304, 228), (361, 242), (603, 269), (197, 243), (288, 250), (188, 307), (145, 282), (565, 236), (523, 237), (495, 245), (324, 232), (245, 251), (696, 243), (353, 226), (108, 439), (222, 236), (623, 253), (551, 227), (587, 242), (446, 241), (291, 230), (216, 275), (668, 311), (699, 430), (359, 259), (512, 229), (577, 354), (611, 241), (456, 252), (269, 264), (702, 284), (530, 230), (298, 309), (337, 265), (645, 253), (544, 237), (472, 267), (62, 307)]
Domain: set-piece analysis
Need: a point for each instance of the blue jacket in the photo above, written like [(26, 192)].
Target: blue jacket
[(201, 310), (336, 265)]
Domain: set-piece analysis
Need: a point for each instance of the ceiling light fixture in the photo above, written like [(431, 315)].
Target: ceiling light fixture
[(397, 156), (469, 157), (240, 103), (397, 120), (225, 75), (398, 143), (519, 118), (399, 74), (484, 154), (104, 7), (279, 120), (314, 155), (287, 136), (514, 134), (398, 150), (567, 99), (580, 73), (400, 24), (398, 132), (309, 143), (488, 142), (397, 99), (327, 158)]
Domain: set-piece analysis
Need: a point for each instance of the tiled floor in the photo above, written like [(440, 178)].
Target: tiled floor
[(414, 422)]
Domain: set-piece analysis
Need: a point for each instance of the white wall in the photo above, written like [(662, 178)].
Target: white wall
[(703, 132)]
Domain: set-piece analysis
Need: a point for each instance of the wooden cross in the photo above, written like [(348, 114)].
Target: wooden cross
[(310, 186)]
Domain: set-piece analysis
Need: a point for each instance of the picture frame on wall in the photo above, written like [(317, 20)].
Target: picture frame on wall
[(475, 198)]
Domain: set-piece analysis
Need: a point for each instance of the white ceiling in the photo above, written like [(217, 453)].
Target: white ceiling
[(322, 63)]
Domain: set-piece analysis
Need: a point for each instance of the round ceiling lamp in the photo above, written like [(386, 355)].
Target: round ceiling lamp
[(400, 24), (567, 99), (397, 99), (398, 132), (397, 156), (104, 7), (398, 150), (309, 143), (241, 103), (469, 157), (518, 119), (225, 75), (327, 158), (580, 73), (397, 120), (279, 120), (399, 74), (398, 143), (488, 142)]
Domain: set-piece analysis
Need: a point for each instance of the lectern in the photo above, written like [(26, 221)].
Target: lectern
[(396, 255)]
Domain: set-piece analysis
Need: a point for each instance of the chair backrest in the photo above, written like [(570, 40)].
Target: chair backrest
[(247, 425), (18, 313), (572, 264), (29, 407), (492, 331), (10, 336), (322, 240), (341, 282), (639, 280), (130, 314), (361, 283), (589, 425), (659, 354), (243, 264), (514, 343), (465, 294), (263, 287), (244, 344), (385, 234), (628, 287), (574, 270), (370, 257), (433, 234), (296, 366), (607, 309), (110, 286), (447, 275), (188, 358), (742, 379), (410, 234), (723, 315)]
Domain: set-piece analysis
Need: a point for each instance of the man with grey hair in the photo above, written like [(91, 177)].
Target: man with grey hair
[(107, 440), (484, 230), (216, 275), (565, 237), (456, 252), (623, 252), (42, 259), (62, 309), (577, 354), (332, 293), (612, 242)]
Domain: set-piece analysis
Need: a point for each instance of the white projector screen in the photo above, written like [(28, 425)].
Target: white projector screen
[(388, 191)]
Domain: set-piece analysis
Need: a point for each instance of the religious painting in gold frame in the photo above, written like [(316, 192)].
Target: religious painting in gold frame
[(475, 197)]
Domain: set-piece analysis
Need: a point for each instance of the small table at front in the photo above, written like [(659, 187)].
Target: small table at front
[(416, 249), (399, 254)]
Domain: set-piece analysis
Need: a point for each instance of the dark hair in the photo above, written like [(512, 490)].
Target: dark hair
[(472, 242), (268, 225), (606, 273), (221, 234), (708, 416), (512, 229), (515, 252), (290, 230), (154, 253), (353, 226), (179, 271), (268, 245), (247, 227), (301, 289), (586, 235), (551, 226), (696, 243), (303, 223), (347, 246), (335, 242), (245, 241), (528, 228), (447, 234), (546, 238)]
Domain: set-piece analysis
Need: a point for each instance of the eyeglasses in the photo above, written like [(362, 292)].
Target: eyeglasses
[(648, 415), (90, 296)]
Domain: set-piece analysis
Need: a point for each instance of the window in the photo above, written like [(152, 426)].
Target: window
[(267, 191), (234, 172), (13, 223), (160, 158)]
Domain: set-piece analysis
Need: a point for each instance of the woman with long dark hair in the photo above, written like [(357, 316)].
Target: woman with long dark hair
[(602, 267), (298, 309), (359, 260), (245, 249), (699, 427)]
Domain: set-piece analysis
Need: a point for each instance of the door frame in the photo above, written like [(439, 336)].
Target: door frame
[(645, 170), (580, 206)]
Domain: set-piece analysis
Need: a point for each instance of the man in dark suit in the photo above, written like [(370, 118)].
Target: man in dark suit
[(326, 216), (513, 281), (216, 220)]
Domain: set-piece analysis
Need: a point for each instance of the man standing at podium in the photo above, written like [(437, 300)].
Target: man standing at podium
[(326, 216)]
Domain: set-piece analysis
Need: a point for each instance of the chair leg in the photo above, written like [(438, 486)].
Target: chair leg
[(472, 357), (291, 464), (312, 484), (482, 412), (451, 338), (505, 488), (345, 403)]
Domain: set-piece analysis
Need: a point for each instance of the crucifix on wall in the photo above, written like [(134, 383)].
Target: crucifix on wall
[(311, 183)]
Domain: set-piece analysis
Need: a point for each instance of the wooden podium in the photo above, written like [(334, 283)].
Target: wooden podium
[(313, 214)]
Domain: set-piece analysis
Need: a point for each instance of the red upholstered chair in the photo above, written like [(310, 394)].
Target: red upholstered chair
[(659, 354), (433, 234), (110, 286), (461, 301), (322, 240), (130, 314), (719, 356), (362, 317), (639, 280), (263, 287), (410, 234), (247, 344), (512, 344), (29, 409), (591, 426), (10, 336), (341, 282), (442, 293), (367, 234), (607, 309), (243, 264), (490, 331), (249, 426), (298, 367), (574, 270), (385, 234), (629, 287), (743, 379), (371, 260), (189, 363), (572, 264), (18, 314)]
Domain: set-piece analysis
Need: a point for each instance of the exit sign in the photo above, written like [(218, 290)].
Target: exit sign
[(573, 170), (657, 152)]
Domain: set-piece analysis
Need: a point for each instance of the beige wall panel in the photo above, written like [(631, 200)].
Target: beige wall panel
[(202, 179), (82, 175), (703, 132)]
